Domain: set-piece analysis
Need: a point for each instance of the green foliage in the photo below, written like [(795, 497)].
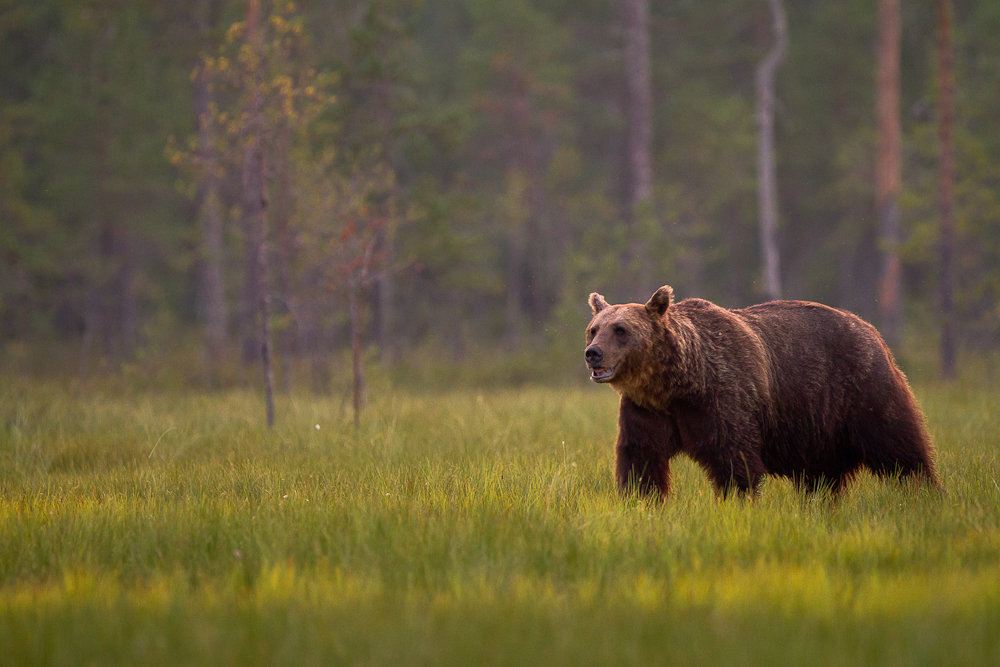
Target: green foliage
[(977, 179), (469, 105), (464, 527)]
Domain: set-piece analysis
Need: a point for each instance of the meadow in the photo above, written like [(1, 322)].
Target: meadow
[(465, 527)]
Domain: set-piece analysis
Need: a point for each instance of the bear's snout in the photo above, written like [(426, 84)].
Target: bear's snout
[(594, 355)]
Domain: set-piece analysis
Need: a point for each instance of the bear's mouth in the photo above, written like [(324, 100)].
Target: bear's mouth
[(598, 374)]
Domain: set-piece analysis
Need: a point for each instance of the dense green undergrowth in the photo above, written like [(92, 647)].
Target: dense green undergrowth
[(465, 528)]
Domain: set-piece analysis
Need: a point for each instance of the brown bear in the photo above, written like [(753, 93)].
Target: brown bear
[(787, 388)]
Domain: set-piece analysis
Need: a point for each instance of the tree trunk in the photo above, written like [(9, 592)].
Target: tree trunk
[(358, 384), (639, 143), (128, 291), (94, 315), (264, 298), (766, 176), (211, 283), (946, 180), (251, 288), (384, 298), (255, 187), (211, 292), (311, 332), (887, 179), (455, 332), (91, 318), (516, 213), (285, 234)]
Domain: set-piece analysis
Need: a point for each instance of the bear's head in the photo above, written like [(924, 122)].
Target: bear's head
[(622, 340)]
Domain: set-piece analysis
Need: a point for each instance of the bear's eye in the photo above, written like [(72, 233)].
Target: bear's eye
[(619, 330), (593, 331)]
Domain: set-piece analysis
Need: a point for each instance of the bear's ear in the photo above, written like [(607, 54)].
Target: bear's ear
[(662, 299), (597, 302)]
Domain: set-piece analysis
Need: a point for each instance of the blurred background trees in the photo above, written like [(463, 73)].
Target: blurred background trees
[(484, 166)]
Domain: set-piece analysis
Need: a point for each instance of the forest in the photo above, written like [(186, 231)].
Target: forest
[(450, 179)]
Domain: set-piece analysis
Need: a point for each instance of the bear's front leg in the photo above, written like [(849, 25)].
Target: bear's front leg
[(646, 442), (641, 473), (729, 451)]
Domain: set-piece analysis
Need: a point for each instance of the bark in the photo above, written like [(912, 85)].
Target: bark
[(384, 297), (94, 315), (91, 317), (358, 384), (265, 317), (127, 290), (251, 288), (115, 295), (251, 343), (455, 333), (515, 210), (638, 142), (515, 286), (111, 300), (285, 235), (887, 179), (211, 283), (212, 302), (255, 187), (358, 279), (946, 180), (514, 106), (312, 340), (767, 177)]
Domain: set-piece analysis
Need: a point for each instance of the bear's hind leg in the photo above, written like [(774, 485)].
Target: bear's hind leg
[(907, 466), (898, 444)]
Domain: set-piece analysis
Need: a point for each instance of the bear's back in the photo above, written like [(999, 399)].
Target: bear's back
[(809, 338), (829, 369)]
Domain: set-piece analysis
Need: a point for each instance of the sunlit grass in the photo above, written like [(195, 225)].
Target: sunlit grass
[(465, 528)]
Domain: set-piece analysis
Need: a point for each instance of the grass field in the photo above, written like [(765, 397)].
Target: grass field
[(465, 528)]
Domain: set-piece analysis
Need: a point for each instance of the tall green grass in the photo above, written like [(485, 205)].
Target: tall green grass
[(465, 528)]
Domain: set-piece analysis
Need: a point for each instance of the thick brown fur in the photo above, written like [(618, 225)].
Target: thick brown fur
[(787, 388)]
